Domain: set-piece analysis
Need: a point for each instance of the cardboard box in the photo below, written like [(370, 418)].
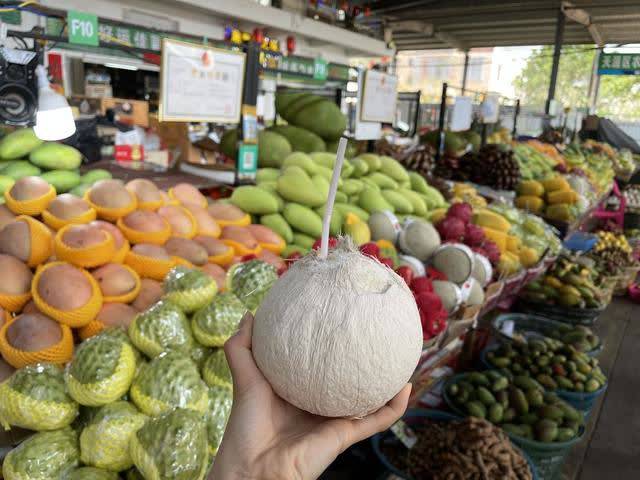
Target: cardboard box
[(133, 112), (98, 90)]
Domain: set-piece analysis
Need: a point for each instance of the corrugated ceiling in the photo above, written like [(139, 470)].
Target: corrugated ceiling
[(466, 24)]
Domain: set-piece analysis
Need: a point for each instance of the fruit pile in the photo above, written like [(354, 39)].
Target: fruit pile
[(99, 260), (534, 164), (518, 404), (493, 165), (553, 363), (568, 284), (521, 238), (420, 159), (166, 361), (460, 449), (553, 197), (22, 154), (612, 254), (291, 200), (595, 163), (632, 199), (580, 337)]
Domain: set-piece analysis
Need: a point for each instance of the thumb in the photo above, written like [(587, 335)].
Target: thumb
[(237, 349)]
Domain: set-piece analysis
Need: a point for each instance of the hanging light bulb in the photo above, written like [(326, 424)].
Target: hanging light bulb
[(54, 118)]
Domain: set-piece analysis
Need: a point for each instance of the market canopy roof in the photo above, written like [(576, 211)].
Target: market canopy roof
[(465, 24)]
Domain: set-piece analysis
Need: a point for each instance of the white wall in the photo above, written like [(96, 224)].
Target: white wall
[(196, 22), (190, 21)]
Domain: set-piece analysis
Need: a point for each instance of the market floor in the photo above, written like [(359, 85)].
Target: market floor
[(612, 446)]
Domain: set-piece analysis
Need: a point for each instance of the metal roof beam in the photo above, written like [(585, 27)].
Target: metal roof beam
[(450, 40)]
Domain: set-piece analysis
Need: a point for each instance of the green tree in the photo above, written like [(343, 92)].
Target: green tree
[(619, 96)]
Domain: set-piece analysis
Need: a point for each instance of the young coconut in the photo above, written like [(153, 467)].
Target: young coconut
[(189, 288), (35, 398), (104, 441), (101, 370), (171, 380), (215, 323), (344, 323), (171, 446), (43, 456), (163, 326)]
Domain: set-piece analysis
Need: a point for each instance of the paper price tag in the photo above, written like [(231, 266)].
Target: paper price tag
[(404, 433)]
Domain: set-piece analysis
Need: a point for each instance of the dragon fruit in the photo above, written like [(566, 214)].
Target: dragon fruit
[(462, 211), (473, 235), (451, 229)]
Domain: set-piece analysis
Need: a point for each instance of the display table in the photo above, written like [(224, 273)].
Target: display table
[(163, 179)]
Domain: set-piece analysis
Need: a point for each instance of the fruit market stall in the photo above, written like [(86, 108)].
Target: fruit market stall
[(135, 284), (155, 260)]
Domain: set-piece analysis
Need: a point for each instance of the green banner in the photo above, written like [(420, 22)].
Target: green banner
[(619, 64), (82, 28), (320, 70)]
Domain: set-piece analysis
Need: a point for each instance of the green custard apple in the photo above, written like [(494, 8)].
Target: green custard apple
[(101, 371), (215, 323), (220, 401), (133, 474), (43, 456), (163, 326), (215, 370), (250, 281), (199, 354), (189, 288), (104, 441), (170, 380), (172, 446), (35, 397), (91, 473)]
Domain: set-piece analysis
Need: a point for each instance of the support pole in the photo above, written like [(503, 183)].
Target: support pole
[(594, 83), (465, 71), (557, 50), (441, 118), (516, 112), (247, 158)]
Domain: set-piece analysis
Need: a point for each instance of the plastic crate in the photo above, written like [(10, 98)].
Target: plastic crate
[(525, 322), (413, 418), (546, 457)]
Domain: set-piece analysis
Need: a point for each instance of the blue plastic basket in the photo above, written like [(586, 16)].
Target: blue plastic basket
[(583, 401), (414, 417), (546, 457), (526, 322), (580, 242)]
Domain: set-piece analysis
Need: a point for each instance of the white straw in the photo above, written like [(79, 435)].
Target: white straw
[(326, 221)]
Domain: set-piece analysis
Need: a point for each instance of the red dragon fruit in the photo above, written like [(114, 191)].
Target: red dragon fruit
[(462, 211), (473, 235), (451, 229)]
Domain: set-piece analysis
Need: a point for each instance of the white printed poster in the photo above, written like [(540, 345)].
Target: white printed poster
[(379, 97), (200, 83)]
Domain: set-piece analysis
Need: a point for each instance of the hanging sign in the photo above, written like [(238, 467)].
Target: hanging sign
[(490, 108), (379, 97), (83, 28), (619, 64), (199, 83), (320, 69), (461, 115)]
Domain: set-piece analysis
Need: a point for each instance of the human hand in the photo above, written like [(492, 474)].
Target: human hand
[(268, 438)]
